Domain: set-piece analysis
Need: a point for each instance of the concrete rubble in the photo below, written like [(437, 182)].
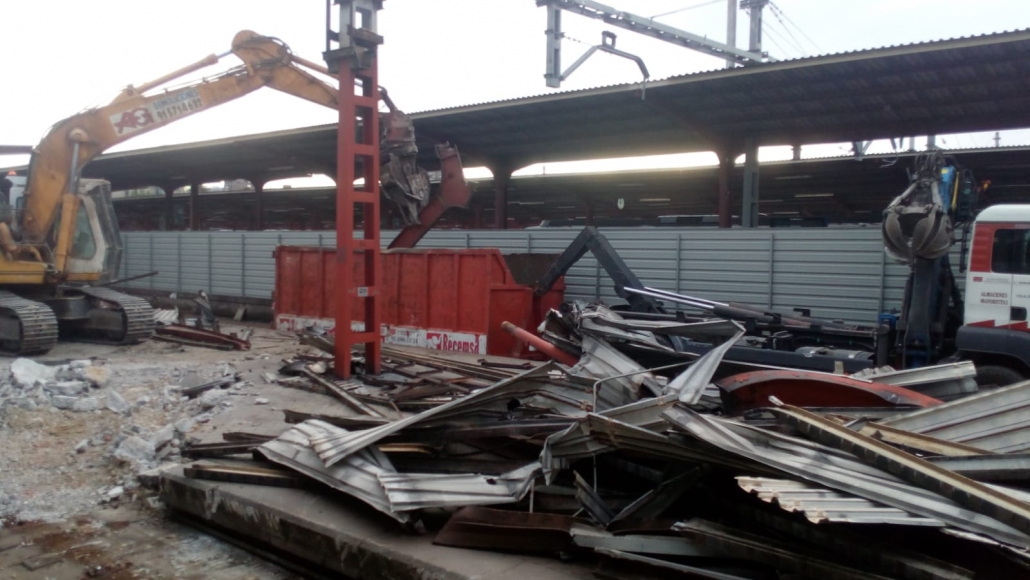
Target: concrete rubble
[(124, 419)]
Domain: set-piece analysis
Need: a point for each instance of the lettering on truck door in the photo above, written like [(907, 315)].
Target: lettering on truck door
[(992, 284)]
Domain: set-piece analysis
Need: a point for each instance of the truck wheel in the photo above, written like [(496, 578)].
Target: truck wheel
[(994, 376)]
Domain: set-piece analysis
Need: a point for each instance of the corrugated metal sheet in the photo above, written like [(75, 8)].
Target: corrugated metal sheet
[(840, 273), (800, 61), (414, 491), (996, 420), (826, 467), (357, 476), (823, 505)]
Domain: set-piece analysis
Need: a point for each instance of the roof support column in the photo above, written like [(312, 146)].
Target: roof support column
[(502, 175), (590, 213), (194, 213), (477, 216), (259, 205), (749, 211), (168, 215), (796, 152), (726, 162)]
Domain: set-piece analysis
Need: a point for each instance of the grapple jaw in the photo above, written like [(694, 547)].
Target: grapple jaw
[(916, 225)]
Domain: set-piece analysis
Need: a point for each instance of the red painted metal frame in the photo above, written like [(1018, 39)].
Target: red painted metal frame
[(812, 389), (355, 150)]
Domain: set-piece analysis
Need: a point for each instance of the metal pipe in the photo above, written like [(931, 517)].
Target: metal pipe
[(684, 296), (311, 65), (73, 171), (598, 382), (539, 344), (129, 279), (700, 305), (204, 62)]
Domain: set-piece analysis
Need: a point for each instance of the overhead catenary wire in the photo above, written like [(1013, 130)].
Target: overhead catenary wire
[(684, 9), (795, 40), (777, 45), (773, 34), (779, 12)]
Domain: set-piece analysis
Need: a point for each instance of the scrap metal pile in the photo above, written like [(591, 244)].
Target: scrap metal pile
[(699, 467)]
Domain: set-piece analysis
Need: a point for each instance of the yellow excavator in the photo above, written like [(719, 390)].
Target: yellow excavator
[(60, 248)]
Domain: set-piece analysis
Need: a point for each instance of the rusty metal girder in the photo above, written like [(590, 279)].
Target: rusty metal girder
[(478, 527), (192, 336)]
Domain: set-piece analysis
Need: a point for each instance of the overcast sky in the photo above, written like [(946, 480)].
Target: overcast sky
[(61, 56)]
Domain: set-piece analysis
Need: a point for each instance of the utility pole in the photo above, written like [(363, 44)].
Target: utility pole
[(641, 25), (554, 35), (749, 213), (755, 7), (731, 29)]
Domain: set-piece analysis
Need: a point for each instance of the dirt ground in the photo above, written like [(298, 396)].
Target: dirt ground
[(71, 506)]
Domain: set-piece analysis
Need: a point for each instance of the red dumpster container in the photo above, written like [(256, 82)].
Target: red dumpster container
[(445, 299)]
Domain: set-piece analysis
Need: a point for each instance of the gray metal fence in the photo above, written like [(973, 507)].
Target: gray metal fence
[(840, 273)]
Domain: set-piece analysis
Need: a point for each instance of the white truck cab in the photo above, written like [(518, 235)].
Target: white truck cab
[(998, 277), (997, 295)]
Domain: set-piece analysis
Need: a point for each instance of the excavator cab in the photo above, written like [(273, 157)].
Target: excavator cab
[(96, 248)]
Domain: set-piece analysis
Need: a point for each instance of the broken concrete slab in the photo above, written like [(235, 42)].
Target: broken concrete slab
[(342, 536), (116, 402), (135, 450), (86, 404), (212, 398), (63, 402), (24, 403), (163, 436), (67, 388), (151, 478), (184, 426), (29, 373), (99, 377)]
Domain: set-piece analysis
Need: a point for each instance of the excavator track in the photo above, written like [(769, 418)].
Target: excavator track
[(137, 314), (36, 325)]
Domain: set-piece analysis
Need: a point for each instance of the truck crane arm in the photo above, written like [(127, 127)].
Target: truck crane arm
[(918, 230)]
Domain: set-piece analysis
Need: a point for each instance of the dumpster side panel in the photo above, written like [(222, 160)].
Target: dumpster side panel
[(437, 298)]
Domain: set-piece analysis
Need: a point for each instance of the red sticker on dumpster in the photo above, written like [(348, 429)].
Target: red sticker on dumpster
[(455, 342)]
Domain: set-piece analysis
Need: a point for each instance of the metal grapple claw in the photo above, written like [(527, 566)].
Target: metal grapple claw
[(915, 224)]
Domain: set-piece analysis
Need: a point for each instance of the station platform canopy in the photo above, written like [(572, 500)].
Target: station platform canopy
[(941, 87)]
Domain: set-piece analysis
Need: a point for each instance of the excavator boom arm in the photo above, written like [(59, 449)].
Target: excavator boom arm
[(82, 137)]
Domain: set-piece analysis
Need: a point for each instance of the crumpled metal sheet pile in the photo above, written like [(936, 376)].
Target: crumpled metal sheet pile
[(696, 467)]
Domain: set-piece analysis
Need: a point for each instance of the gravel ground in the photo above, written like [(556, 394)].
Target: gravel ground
[(74, 444)]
